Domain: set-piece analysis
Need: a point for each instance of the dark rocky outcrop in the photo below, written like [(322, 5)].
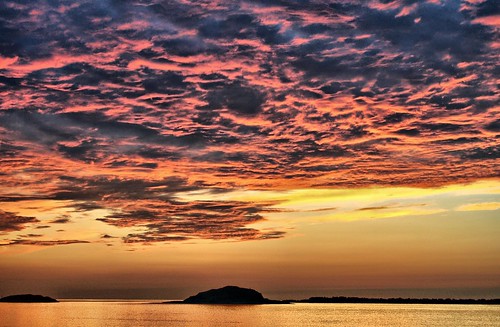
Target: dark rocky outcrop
[(28, 298), (229, 295)]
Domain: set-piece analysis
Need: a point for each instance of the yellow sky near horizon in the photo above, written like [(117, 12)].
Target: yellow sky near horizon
[(335, 238)]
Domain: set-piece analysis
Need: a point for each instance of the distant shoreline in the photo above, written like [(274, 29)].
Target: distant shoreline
[(314, 300), (343, 299), (28, 298), (358, 300), (304, 301)]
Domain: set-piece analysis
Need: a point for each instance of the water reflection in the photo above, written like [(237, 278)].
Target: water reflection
[(142, 314)]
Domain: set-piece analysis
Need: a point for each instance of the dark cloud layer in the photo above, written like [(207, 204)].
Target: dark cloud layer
[(126, 105), (11, 222), (43, 243), (170, 221)]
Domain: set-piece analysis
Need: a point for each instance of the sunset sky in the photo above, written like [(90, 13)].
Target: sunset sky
[(156, 148)]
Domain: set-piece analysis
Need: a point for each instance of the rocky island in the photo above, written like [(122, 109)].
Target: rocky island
[(228, 295), (239, 295), (28, 298)]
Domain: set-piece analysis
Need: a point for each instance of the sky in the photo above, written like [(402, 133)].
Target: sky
[(152, 149)]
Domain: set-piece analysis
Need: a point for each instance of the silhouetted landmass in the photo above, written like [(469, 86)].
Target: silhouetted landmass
[(239, 295), (343, 299), (28, 298), (229, 295)]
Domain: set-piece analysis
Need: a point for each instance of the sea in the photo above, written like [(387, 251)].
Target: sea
[(96, 313)]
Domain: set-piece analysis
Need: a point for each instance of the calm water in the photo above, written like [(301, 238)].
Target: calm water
[(140, 314)]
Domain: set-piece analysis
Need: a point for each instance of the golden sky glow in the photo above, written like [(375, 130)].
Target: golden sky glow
[(299, 147)]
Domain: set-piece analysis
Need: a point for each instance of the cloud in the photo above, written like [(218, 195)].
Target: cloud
[(232, 27), (153, 205), (10, 222), (374, 208), (108, 103), (238, 97), (107, 236), (61, 220), (177, 221), (493, 126), (41, 242), (479, 206)]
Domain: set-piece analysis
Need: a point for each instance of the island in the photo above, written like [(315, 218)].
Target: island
[(239, 295), (344, 299), (228, 295), (28, 298)]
